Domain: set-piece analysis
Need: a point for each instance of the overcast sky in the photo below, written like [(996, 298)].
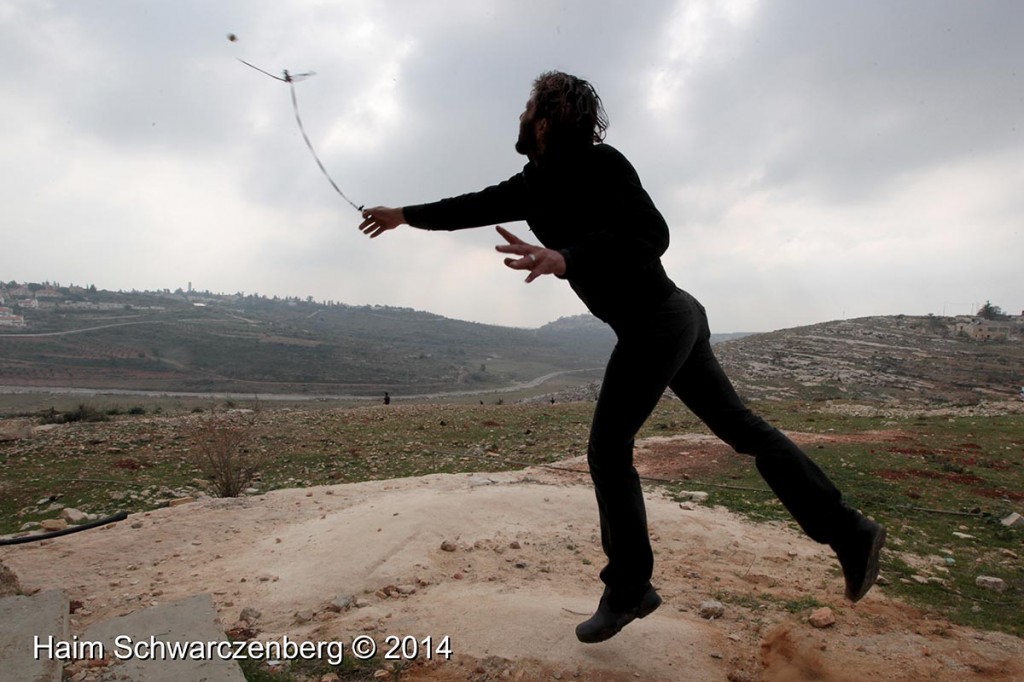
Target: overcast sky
[(815, 160)]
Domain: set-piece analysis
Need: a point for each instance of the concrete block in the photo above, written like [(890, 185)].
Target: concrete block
[(189, 620), (22, 621)]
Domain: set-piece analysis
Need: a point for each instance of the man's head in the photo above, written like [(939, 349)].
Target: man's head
[(563, 112)]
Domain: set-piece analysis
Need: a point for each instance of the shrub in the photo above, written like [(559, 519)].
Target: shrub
[(225, 452), (82, 413)]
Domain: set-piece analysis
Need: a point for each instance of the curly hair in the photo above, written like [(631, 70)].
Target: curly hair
[(572, 108)]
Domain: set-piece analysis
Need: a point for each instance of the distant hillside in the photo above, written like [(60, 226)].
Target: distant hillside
[(877, 359), (202, 342)]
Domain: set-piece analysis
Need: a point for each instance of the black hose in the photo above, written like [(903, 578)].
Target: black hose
[(120, 516)]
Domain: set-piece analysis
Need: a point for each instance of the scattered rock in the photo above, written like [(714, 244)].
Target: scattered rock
[(712, 609), (822, 618), (249, 614), (1014, 520), (180, 501), (303, 616), (693, 495), (15, 429), (339, 604), (962, 536), (9, 586), (72, 515), (386, 592), (448, 546), (989, 583), (53, 524)]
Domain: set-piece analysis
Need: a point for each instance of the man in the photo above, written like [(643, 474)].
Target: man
[(602, 233)]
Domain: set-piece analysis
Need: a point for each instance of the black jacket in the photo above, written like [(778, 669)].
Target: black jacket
[(590, 206)]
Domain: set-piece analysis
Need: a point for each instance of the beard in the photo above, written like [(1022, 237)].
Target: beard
[(526, 144)]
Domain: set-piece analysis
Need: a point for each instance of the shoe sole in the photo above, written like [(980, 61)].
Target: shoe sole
[(871, 570)]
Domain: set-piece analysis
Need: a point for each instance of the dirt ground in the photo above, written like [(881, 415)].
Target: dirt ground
[(505, 565)]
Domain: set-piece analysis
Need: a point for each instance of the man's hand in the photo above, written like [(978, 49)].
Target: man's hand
[(538, 260), (380, 219)]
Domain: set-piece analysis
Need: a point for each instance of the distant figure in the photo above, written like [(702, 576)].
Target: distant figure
[(387, 398), (603, 234), (552, 400)]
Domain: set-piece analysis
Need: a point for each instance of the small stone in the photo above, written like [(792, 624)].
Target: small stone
[(180, 501), (339, 604), (822, 618), (962, 536), (515, 545), (53, 524), (1014, 520), (448, 546), (15, 429), (694, 495), (989, 583), (712, 609), (919, 579), (1009, 554), (72, 515), (330, 677), (249, 614), (303, 616)]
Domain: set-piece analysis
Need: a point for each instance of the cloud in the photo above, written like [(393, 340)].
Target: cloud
[(813, 159)]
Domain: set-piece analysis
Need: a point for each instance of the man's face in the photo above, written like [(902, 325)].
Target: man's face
[(528, 142)]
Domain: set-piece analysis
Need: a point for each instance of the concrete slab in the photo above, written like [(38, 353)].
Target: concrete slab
[(139, 657), (22, 620)]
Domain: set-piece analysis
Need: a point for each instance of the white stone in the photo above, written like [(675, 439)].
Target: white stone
[(712, 609), (72, 515), (1014, 520), (989, 583)]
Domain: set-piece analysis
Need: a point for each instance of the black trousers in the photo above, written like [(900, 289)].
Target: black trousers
[(669, 347)]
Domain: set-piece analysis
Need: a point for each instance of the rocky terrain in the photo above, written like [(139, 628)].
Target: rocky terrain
[(895, 360), (917, 360)]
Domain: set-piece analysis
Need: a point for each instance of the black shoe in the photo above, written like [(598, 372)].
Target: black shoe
[(607, 621), (858, 553)]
